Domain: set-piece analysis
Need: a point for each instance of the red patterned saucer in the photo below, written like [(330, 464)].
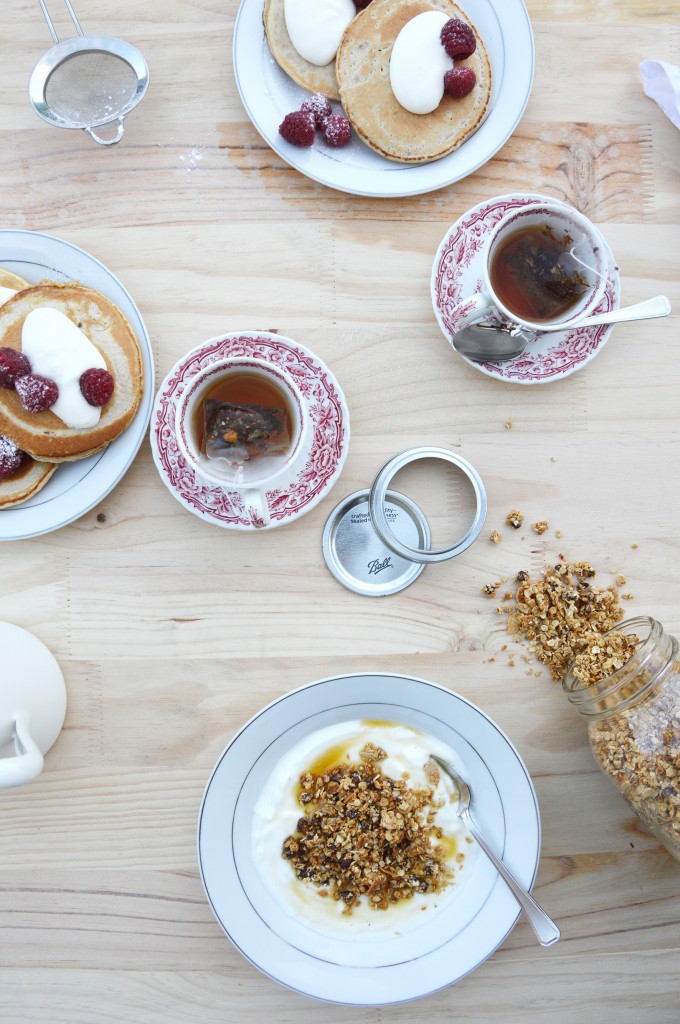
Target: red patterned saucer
[(311, 477), (457, 272)]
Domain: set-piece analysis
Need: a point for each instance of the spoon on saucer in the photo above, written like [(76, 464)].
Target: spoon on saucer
[(498, 341)]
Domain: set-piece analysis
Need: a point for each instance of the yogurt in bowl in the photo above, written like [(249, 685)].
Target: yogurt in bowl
[(252, 806), (355, 832)]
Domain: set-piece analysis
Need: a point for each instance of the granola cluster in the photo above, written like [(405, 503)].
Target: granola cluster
[(562, 612), (366, 834)]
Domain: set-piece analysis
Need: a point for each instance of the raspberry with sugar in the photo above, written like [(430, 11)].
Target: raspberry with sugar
[(458, 82), (36, 393), (11, 457), (13, 364), (298, 128), (336, 131), (96, 386), (318, 105), (458, 39)]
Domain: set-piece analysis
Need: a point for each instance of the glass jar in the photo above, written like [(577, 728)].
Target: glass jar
[(633, 717)]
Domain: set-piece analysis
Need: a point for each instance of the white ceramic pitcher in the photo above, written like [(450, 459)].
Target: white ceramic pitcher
[(32, 705)]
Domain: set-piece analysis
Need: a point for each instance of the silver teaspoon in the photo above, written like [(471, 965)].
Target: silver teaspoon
[(647, 310), (546, 931), (491, 342), (497, 342)]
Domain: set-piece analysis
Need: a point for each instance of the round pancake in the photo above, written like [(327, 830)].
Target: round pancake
[(309, 76), (44, 435), (363, 70), (27, 481), (10, 280)]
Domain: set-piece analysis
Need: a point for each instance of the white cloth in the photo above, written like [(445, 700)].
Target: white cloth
[(661, 83)]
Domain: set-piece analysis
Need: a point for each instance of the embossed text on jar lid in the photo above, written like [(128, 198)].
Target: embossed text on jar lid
[(357, 556)]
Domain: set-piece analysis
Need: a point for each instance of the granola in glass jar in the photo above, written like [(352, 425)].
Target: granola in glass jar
[(626, 683)]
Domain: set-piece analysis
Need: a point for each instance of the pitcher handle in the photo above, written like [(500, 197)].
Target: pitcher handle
[(28, 762)]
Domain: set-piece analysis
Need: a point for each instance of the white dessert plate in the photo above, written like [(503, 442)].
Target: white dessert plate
[(457, 272), (311, 477), (464, 931), (268, 94), (76, 487)]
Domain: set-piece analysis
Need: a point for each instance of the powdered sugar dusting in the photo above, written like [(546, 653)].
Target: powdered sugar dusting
[(11, 457), (36, 393)]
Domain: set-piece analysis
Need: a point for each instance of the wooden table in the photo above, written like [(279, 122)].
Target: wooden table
[(172, 633)]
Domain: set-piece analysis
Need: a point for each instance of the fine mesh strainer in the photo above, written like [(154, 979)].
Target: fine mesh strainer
[(88, 82)]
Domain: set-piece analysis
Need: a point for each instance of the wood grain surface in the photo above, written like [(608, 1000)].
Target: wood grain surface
[(171, 633)]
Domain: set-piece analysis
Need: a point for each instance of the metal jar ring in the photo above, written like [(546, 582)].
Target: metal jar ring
[(376, 504)]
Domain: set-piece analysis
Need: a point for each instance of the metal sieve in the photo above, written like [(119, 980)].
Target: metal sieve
[(88, 82)]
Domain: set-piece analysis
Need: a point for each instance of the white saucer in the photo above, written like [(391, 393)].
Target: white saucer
[(457, 272), (310, 479)]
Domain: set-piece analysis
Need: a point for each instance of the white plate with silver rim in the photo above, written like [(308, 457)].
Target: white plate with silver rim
[(76, 487), (467, 929), (268, 94)]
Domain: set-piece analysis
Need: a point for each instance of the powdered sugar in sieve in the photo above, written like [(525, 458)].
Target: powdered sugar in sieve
[(88, 82)]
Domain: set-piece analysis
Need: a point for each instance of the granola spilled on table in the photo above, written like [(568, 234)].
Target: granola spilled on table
[(366, 834), (561, 612)]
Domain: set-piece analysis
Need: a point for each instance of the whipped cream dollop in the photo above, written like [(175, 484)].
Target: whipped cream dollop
[(419, 62), (57, 349), (316, 27), (6, 293), (278, 810)]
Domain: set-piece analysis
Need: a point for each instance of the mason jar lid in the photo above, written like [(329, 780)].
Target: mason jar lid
[(421, 552), (377, 542), (356, 555)]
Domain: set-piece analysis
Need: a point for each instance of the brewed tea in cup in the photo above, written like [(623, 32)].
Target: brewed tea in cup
[(545, 265), (241, 424)]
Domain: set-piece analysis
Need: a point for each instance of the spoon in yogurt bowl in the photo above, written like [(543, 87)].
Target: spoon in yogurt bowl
[(498, 341), (545, 929)]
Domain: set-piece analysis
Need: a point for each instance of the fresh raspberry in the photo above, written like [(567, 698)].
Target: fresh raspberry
[(36, 393), (318, 105), (336, 130), (298, 128), (458, 82), (13, 364), (96, 386), (458, 39), (11, 457)]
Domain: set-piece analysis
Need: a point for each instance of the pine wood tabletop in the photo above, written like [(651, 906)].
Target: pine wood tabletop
[(171, 632)]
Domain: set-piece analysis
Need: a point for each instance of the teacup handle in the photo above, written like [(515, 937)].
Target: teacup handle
[(471, 310), (28, 762), (256, 505)]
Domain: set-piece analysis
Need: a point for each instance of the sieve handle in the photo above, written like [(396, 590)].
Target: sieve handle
[(49, 20), (108, 142)]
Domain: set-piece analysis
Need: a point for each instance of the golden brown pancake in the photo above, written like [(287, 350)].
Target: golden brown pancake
[(25, 481), (10, 280), (309, 76), (44, 435), (363, 71)]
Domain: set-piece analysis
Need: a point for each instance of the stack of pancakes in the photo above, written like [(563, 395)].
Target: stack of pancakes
[(360, 78), (45, 438)]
